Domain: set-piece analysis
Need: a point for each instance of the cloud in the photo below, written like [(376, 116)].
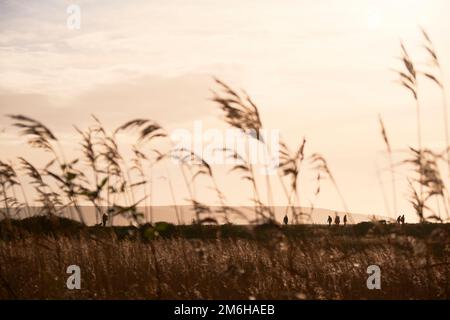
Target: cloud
[(167, 100)]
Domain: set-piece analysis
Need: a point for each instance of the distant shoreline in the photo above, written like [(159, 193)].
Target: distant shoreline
[(169, 214)]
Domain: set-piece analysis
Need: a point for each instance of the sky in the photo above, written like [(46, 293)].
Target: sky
[(316, 69)]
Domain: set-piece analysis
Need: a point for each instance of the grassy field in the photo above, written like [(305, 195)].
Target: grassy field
[(224, 262), (261, 260)]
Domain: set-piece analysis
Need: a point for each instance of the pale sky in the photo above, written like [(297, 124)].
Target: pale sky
[(320, 69)]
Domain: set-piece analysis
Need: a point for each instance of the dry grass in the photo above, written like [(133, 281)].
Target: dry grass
[(327, 265), (324, 266)]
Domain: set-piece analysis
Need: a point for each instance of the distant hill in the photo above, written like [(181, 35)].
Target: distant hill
[(236, 214), (55, 227)]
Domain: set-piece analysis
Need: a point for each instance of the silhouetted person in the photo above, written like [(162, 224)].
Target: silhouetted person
[(399, 219), (337, 220), (285, 219), (329, 220), (402, 219), (104, 219), (345, 220)]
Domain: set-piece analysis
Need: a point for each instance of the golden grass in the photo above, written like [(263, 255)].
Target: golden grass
[(321, 267)]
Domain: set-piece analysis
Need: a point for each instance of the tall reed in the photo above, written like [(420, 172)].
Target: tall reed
[(41, 137), (391, 163), (438, 79)]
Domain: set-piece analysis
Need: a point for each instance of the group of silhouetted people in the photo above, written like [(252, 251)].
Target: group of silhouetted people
[(401, 219), (337, 220)]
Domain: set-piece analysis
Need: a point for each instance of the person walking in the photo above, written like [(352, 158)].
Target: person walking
[(345, 220), (285, 219), (402, 219), (337, 220), (329, 220), (104, 219)]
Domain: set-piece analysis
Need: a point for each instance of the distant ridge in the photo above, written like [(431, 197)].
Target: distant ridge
[(187, 214)]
